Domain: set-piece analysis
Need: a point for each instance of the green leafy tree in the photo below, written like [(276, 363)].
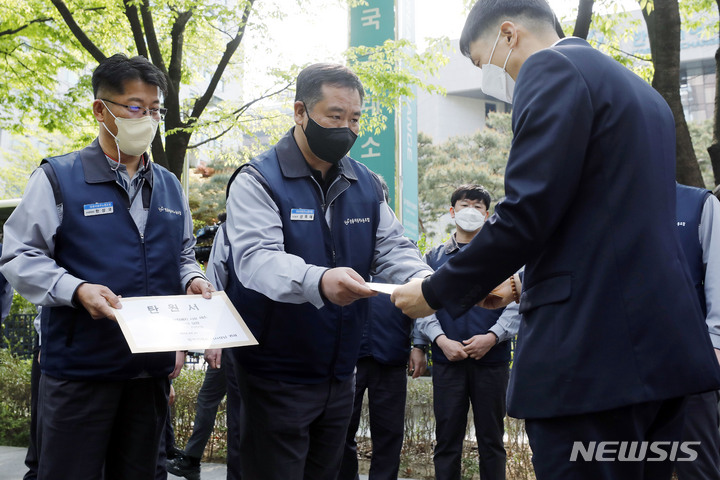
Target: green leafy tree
[(194, 43), (702, 136), (480, 158), (664, 19)]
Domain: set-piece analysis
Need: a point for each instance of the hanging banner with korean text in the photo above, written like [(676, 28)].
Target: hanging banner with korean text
[(371, 25)]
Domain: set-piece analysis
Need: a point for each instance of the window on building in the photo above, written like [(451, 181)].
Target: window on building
[(490, 107)]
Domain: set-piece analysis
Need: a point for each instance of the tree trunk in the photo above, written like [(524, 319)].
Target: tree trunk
[(175, 150), (584, 18), (714, 148), (663, 25)]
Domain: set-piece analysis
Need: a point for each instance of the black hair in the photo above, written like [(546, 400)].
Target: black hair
[(311, 79), (487, 14), (471, 191), (113, 72)]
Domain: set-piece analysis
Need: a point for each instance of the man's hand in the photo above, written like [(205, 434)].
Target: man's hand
[(213, 356), (97, 300), (452, 349), (179, 362), (501, 296), (477, 346), (417, 363), (343, 285), (410, 300), (200, 286), (717, 354), (171, 397)]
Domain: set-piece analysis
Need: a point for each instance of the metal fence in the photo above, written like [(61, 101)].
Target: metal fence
[(18, 334)]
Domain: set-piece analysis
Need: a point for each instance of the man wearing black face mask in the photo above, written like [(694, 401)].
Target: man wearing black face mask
[(307, 227)]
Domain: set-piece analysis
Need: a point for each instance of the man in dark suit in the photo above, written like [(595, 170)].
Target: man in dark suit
[(589, 208)]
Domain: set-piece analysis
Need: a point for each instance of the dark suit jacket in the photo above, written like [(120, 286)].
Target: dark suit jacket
[(610, 317)]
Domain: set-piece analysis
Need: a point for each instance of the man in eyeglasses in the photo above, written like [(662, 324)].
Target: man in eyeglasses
[(95, 225)]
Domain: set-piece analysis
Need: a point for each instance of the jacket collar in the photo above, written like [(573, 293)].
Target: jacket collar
[(451, 246), (98, 170), (293, 163)]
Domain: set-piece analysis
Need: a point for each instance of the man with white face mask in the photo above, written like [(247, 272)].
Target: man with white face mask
[(95, 225), (589, 209), (470, 355)]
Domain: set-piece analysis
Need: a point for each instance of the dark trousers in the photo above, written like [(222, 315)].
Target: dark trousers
[(292, 431), (31, 458), (701, 425), (387, 390), (552, 441), (233, 417), (211, 394), (455, 387), (100, 430), (167, 443)]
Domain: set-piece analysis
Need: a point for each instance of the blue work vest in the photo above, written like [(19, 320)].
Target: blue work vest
[(107, 249), (299, 343), (386, 335), (476, 321), (689, 206)]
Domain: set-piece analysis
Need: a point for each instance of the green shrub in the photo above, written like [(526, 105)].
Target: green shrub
[(15, 404), (416, 457), (187, 386)]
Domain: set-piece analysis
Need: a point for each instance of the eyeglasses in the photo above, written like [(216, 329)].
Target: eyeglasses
[(137, 111)]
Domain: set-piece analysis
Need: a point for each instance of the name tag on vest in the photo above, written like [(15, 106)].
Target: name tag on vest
[(98, 209), (305, 214)]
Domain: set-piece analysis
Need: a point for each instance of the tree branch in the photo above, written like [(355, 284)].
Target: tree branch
[(86, 43), (627, 54), (584, 18), (177, 35), (230, 49), (151, 36), (208, 140), (136, 28), (40, 20), (237, 113), (19, 29)]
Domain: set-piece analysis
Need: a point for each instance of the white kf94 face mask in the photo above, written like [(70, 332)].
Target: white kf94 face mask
[(134, 134), (469, 219), (496, 81)]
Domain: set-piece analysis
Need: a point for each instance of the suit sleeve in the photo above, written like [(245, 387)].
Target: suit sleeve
[(552, 123), (710, 240)]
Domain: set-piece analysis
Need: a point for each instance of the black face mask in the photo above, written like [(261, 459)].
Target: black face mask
[(328, 144)]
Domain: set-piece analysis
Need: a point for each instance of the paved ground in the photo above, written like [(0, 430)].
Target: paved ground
[(12, 466)]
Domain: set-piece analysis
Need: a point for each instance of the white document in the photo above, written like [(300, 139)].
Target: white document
[(388, 288), (182, 322)]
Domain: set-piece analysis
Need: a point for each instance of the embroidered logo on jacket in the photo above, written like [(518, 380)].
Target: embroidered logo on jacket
[(352, 221), (168, 210)]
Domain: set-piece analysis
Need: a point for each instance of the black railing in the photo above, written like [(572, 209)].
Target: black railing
[(18, 334)]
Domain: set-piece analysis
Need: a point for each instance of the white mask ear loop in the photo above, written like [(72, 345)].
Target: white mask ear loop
[(113, 168), (491, 53), (506, 60)]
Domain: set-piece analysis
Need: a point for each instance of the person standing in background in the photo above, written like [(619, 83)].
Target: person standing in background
[(471, 357), (698, 223)]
